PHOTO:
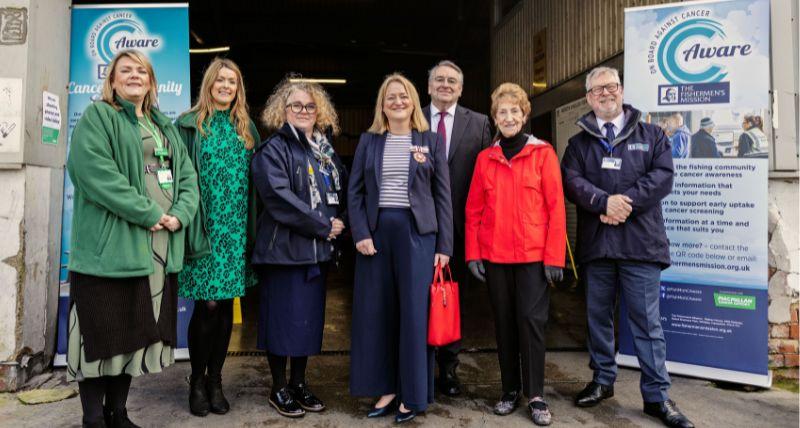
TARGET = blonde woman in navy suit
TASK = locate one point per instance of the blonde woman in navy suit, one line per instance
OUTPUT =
(401, 219)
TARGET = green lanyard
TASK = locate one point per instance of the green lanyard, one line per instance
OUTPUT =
(160, 150)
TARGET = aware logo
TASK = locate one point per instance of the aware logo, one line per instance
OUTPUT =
(707, 30)
(115, 32)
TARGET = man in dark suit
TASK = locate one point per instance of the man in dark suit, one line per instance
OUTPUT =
(465, 133)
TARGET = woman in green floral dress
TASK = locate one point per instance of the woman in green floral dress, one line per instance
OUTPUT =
(220, 138)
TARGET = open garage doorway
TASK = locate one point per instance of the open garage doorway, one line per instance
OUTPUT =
(354, 44)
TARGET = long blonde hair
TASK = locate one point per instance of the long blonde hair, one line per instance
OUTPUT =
(380, 123)
(108, 93)
(204, 107)
(274, 115)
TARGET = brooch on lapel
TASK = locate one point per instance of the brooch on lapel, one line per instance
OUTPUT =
(419, 153)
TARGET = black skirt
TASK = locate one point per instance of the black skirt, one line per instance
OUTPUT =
(116, 314)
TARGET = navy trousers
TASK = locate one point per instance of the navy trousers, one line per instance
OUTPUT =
(291, 309)
(638, 283)
(389, 352)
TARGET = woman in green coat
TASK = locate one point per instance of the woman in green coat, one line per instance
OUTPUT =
(220, 138)
(135, 190)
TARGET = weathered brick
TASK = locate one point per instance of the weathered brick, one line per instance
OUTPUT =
(785, 373)
(794, 310)
(794, 332)
(791, 360)
(787, 346)
(776, 360)
(773, 346)
(779, 331)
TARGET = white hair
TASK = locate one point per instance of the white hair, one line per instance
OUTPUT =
(446, 63)
(597, 71)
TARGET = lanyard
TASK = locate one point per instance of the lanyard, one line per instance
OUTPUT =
(607, 146)
(149, 127)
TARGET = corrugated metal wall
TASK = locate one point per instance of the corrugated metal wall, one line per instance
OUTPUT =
(580, 34)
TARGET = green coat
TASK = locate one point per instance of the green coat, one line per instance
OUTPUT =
(112, 214)
(197, 244)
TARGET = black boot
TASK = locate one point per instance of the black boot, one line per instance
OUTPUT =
(216, 400)
(120, 420)
(198, 398)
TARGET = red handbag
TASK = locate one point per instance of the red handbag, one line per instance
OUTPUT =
(444, 319)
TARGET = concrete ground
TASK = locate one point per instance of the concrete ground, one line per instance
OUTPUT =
(160, 400)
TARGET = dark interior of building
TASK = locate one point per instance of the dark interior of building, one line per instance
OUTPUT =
(361, 41)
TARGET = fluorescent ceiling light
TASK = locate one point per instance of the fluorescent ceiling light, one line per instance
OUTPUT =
(320, 81)
(210, 50)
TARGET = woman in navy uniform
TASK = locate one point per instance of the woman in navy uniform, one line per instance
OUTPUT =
(401, 218)
(302, 183)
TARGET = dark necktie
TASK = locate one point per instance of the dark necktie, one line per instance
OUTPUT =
(442, 130)
(609, 132)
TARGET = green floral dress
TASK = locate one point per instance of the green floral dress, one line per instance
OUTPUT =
(223, 168)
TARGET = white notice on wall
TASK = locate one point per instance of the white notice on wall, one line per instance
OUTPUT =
(10, 115)
(51, 118)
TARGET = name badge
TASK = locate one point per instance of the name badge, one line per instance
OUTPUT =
(164, 178)
(612, 163)
(333, 198)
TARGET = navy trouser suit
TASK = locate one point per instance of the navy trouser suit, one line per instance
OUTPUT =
(389, 352)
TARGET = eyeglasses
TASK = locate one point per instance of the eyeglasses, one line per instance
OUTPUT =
(611, 88)
(297, 108)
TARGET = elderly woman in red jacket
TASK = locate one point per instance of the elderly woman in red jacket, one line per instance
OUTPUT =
(515, 241)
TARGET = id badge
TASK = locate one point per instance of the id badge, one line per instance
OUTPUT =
(612, 163)
(164, 178)
(333, 198)
(161, 152)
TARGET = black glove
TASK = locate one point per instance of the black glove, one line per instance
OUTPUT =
(553, 274)
(477, 270)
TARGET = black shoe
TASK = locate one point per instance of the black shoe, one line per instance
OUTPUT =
(401, 417)
(120, 419)
(378, 412)
(96, 424)
(507, 404)
(285, 404)
(448, 381)
(108, 416)
(305, 398)
(216, 399)
(593, 394)
(668, 412)
(198, 397)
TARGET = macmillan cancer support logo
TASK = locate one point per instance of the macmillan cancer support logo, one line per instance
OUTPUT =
(117, 31)
(690, 52)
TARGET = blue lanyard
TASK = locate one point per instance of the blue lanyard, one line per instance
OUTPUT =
(607, 146)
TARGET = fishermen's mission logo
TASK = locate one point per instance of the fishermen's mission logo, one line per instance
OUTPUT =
(115, 32)
(690, 51)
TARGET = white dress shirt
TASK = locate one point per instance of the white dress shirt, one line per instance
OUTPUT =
(448, 123)
(619, 123)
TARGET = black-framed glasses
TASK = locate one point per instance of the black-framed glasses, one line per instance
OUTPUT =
(296, 108)
(611, 88)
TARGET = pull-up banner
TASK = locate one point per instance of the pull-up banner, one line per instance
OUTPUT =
(160, 31)
(701, 70)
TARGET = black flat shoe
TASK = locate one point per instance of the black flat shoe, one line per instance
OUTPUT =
(669, 414)
(285, 404)
(404, 416)
(378, 412)
(507, 404)
(305, 398)
(119, 419)
(593, 394)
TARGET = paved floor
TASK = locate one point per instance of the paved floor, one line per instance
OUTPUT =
(161, 400)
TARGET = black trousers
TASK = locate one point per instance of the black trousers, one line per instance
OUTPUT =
(447, 355)
(520, 302)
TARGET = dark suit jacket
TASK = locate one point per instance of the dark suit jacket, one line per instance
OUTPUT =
(471, 134)
(428, 189)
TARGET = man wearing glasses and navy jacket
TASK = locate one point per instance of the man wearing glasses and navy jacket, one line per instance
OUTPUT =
(616, 171)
